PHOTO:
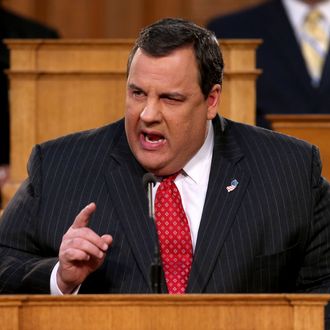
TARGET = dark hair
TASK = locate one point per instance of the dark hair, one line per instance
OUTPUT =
(164, 36)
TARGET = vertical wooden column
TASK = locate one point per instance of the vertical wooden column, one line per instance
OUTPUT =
(23, 119)
(307, 314)
(10, 312)
(239, 89)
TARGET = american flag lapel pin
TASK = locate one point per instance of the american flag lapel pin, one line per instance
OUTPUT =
(232, 186)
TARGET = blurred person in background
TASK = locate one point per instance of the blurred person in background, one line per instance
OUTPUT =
(18, 27)
(294, 55)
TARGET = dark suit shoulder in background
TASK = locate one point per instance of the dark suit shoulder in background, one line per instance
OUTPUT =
(18, 27)
(230, 25)
(14, 26)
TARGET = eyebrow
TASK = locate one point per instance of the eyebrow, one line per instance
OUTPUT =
(171, 95)
(133, 86)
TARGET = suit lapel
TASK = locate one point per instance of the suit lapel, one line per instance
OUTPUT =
(325, 79)
(124, 180)
(220, 207)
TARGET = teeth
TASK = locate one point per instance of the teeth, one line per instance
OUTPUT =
(153, 141)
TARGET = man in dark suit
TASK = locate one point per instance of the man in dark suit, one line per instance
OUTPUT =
(257, 206)
(285, 85)
(12, 26)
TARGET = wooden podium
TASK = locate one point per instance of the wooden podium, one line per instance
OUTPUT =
(62, 86)
(163, 312)
(309, 127)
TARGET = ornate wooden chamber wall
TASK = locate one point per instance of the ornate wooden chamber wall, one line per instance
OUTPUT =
(61, 86)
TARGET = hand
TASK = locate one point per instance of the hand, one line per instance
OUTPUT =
(82, 251)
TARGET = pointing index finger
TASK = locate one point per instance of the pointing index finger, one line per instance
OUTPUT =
(82, 219)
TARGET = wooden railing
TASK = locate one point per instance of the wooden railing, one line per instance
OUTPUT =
(163, 312)
(312, 128)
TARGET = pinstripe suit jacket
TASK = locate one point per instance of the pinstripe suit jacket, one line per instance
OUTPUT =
(271, 234)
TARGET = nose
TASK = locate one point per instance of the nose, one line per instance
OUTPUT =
(151, 112)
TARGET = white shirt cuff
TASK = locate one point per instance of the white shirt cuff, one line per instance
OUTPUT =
(54, 289)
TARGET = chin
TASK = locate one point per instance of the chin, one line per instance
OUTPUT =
(154, 169)
(152, 163)
(149, 161)
(161, 171)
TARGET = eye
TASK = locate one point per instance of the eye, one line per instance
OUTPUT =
(172, 100)
(138, 94)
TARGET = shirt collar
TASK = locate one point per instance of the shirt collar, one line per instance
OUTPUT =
(198, 167)
(297, 11)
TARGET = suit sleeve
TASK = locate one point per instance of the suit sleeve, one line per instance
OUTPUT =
(315, 273)
(25, 266)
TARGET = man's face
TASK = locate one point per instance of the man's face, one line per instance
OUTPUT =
(166, 112)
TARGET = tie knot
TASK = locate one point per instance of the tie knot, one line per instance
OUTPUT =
(313, 17)
(170, 178)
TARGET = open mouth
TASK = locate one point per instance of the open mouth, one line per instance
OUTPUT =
(152, 141)
(153, 138)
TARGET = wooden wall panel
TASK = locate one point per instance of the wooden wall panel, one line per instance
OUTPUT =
(117, 18)
(314, 128)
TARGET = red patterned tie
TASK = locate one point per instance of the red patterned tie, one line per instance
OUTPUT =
(174, 235)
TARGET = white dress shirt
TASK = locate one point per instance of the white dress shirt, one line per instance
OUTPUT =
(192, 184)
(297, 11)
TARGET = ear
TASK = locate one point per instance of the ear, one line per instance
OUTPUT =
(213, 100)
